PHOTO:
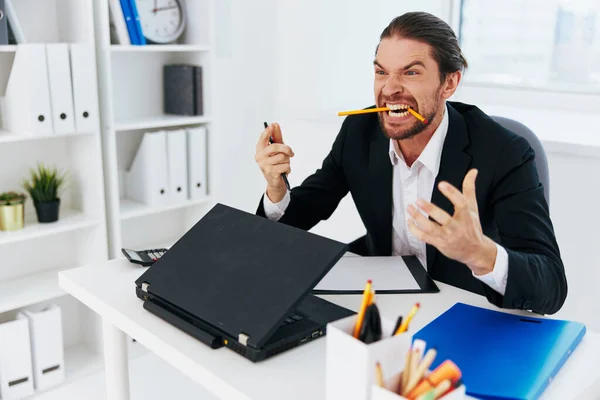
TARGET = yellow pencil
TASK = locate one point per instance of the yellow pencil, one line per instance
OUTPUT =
(442, 388)
(382, 109)
(368, 110)
(418, 116)
(379, 374)
(404, 326)
(367, 293)
(406, 372)
(416, 375)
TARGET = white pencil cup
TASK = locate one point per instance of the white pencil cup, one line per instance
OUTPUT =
(389, 391)
(350, 363)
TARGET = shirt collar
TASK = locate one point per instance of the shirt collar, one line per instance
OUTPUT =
(432, 153)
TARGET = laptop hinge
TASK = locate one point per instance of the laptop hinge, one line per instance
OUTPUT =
(145, 287)
(243, 339)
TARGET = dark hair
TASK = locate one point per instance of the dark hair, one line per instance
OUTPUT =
(429, 29)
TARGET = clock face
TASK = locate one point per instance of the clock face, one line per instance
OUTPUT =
(162, 21)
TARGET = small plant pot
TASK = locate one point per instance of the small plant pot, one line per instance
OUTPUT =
(47, 212)
(12, 217)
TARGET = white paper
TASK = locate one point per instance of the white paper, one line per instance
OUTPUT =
(351, 273)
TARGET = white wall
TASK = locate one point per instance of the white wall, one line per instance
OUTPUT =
(283, 64)
(244, 71)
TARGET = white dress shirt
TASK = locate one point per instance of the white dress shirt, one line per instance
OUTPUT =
(410, 184)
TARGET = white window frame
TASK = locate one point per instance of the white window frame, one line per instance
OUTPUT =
(519, 96)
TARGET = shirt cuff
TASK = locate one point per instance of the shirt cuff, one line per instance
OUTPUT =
(498, 277)
(274, 211)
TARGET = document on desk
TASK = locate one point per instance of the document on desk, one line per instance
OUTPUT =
(393, 274)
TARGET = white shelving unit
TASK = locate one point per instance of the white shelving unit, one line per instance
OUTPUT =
(96, 219)
(33, 256)
(131, 93)
(159, 121)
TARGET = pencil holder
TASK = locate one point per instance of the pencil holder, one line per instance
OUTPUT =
(350, 363)
(388, 392)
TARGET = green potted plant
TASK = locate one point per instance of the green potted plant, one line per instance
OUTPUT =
(12, 211)
(44, 187)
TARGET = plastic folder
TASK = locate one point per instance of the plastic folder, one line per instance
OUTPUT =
(501, 355)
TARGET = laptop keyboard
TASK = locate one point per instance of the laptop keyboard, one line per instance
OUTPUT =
(293, 318)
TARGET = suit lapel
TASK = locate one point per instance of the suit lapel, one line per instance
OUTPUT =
(454, 165)
(380, 168)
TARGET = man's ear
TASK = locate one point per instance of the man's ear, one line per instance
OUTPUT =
(451, 84)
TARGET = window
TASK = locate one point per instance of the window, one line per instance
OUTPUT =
(544, 44)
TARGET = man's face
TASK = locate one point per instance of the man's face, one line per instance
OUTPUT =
(406, 75)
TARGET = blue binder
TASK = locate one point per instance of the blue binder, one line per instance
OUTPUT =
(501, 356)
(141, 39)
(130, 22)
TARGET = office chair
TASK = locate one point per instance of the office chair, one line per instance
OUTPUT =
(541, 162)
(359, 246)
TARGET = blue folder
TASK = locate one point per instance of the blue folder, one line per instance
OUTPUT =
(141, 39)
(130, 22)
(501, 356)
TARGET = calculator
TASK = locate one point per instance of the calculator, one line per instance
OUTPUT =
(144, 257)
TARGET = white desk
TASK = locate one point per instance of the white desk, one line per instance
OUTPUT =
(109, 289)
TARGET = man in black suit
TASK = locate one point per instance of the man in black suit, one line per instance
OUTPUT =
(494, 238)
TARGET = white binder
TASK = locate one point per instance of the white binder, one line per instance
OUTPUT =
(16, 380)
(197, 162)
(147, 179)
(85, 90)
(61, 93)
(117, 20)
(45, 330)
(177, 159)
(27, 99)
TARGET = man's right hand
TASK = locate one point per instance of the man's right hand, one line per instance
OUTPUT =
(273, 160)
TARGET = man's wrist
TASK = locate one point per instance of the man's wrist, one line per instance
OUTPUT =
(276, 194)
(486, 259)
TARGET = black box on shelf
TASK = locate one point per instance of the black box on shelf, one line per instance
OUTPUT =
(183, 89)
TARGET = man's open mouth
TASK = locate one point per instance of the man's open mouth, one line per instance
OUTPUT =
(398, 110)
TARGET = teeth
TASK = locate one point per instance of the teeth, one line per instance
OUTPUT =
(397, 106)
(397, 114)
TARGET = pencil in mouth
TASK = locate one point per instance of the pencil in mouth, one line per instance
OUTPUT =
(418, 116)
(395, 110)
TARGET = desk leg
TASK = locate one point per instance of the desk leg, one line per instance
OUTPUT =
(116, 362)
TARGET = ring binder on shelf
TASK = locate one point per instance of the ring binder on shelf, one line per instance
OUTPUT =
(45, 328)
(16, 377)
(27, 100)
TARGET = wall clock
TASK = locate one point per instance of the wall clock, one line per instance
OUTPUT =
(162, 21)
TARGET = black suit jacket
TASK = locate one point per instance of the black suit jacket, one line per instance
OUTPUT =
(512, 207)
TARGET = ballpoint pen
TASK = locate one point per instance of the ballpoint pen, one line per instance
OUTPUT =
(285, 180)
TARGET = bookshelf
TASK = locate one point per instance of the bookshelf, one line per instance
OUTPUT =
(33, 256)
(131, 94)
(96, 218)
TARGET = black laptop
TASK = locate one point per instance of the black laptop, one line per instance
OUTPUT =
(243, 281)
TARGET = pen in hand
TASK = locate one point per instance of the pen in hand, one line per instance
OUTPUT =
(285, 180)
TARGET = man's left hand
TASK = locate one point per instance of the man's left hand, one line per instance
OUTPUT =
(458, 237)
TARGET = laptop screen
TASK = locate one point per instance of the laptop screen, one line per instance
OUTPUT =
(240, 272)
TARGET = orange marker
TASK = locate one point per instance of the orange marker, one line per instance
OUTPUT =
(365, 303)
(404, 326)
(446, 370)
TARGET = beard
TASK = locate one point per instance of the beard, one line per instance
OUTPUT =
(429, 111)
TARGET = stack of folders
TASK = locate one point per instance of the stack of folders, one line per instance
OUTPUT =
(169, 167)
(31, 352)
(51, 90)
(125, 23)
